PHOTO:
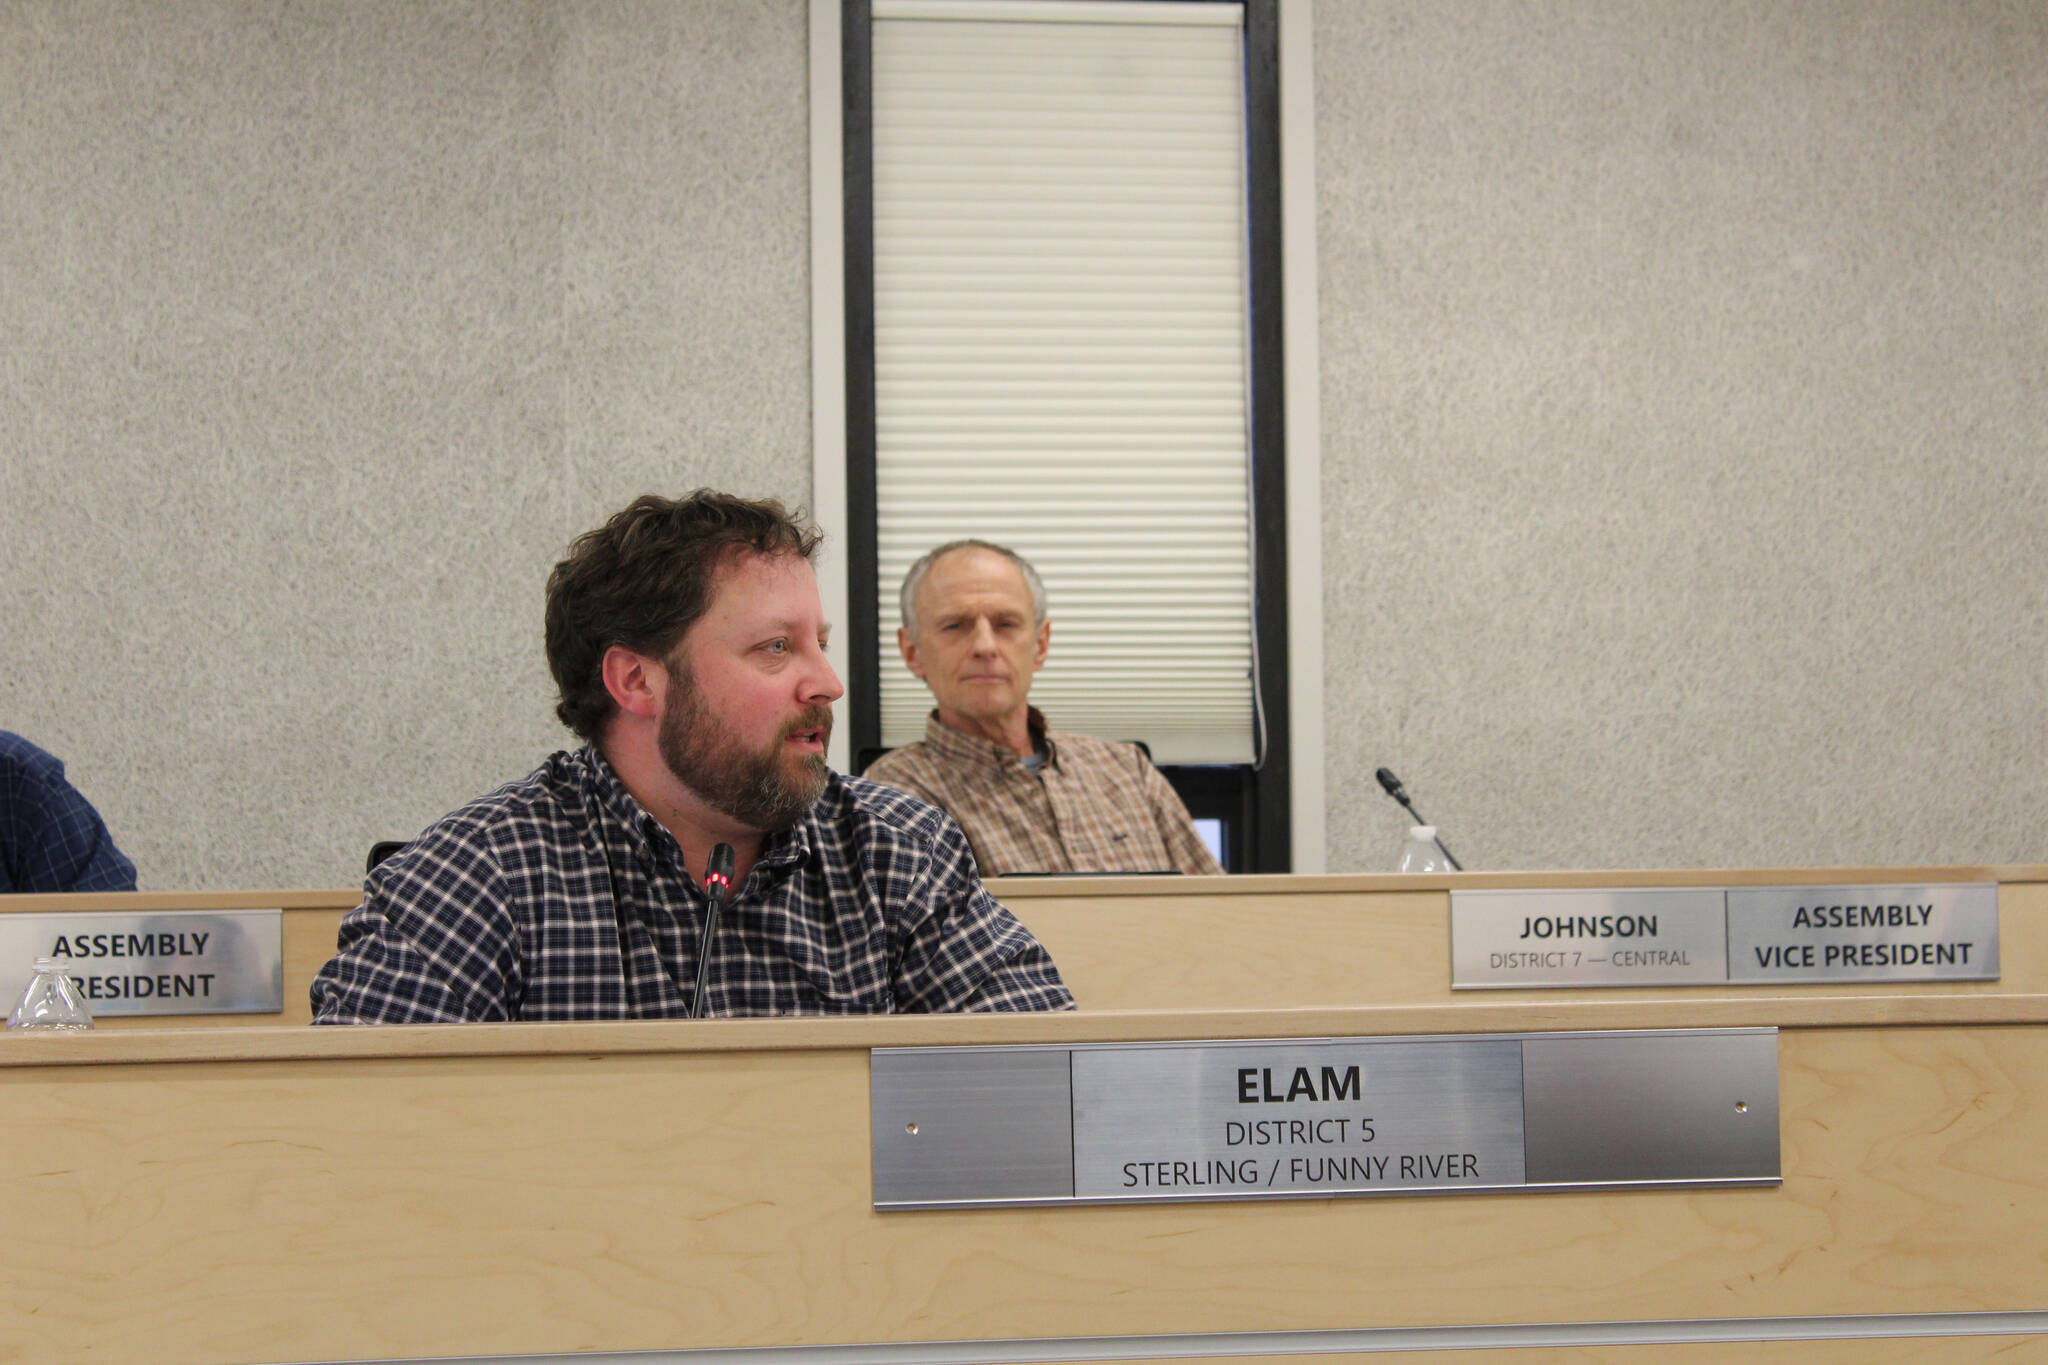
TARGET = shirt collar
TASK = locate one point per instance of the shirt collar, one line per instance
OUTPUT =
(620, 809)
(788, 848)
(649, 839)
(972, 750)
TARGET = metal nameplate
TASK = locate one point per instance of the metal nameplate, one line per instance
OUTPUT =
(1295, 1118)
(154, 962)
(1863, 933)
(1660, 936)
(1652, 937)
(1314, 1118)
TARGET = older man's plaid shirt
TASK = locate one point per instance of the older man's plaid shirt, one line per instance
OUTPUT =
(1094, 806)
(558, 897)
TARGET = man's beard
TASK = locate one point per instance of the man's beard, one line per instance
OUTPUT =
(764, 790)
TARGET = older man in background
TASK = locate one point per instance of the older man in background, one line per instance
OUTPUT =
(1031, 799)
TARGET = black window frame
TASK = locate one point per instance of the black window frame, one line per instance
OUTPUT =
(1253, 800)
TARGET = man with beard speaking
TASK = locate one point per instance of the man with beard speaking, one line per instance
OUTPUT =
(688, 643)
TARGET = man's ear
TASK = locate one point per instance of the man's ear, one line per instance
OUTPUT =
(1044, 642)
(638, 684)
(908, 644)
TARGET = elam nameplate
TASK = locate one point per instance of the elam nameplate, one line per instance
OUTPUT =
(1314, 1118)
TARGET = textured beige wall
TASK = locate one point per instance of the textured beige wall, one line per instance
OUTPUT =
(1685, 412)
(1684, 390)
(327, 325)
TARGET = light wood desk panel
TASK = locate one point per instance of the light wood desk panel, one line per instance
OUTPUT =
(1278, 942)
(264, 1195)
(1215, 943)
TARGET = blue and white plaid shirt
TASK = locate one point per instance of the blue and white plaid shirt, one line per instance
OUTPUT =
(51, 839)
(559, 897)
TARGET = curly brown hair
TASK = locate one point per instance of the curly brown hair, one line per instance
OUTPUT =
(643, 578)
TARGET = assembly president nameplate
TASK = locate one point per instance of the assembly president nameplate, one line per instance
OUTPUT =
(1738, 935)
(957, 1127)
(154, 961)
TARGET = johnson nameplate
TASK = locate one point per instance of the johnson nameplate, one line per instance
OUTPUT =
(1660, 936)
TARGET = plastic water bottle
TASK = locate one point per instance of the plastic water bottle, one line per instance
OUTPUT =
(1422, 853)
(51, 1003)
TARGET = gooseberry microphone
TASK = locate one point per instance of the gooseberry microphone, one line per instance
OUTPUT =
(717, 884)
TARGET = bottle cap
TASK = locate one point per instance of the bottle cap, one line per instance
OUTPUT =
(49, 964)
(1422, 831)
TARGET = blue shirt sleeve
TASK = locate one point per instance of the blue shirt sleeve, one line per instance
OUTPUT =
(51, 838)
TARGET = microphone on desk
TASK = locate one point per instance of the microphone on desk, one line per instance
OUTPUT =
(1400, 793)
(717, 884)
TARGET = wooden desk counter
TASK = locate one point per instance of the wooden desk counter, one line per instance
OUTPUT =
(1163, 943)
(1276, 942)
(265, 1195)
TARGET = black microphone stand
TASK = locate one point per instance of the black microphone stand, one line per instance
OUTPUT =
(717, 885)
(1400, 793)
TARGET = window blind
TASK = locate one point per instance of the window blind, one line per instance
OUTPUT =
(1060, 346)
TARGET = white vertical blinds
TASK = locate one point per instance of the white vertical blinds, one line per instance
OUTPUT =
(1060, 346)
